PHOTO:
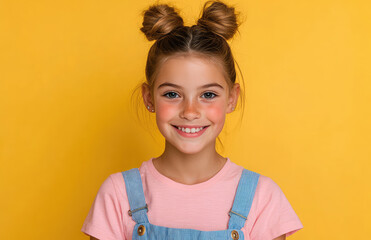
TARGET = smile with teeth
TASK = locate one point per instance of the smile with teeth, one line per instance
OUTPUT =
(190, 130)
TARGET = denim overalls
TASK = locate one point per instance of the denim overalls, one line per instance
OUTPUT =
(147, 231)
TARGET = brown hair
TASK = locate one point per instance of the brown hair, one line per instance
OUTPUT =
(208, 38)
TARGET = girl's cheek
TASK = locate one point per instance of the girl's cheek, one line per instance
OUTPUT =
(165, 110)
(215, 112)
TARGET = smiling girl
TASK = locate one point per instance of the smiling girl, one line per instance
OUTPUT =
(190, 191)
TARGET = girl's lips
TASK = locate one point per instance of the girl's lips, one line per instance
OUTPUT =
(191, 135)
(189, 126)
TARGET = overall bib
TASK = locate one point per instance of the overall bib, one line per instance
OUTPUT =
(144, 230)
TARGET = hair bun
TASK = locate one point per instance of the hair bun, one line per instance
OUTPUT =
(160, 20)
(219, 19)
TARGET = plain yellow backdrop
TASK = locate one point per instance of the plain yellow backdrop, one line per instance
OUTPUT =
(67, 71)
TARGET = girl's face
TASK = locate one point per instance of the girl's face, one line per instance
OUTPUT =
(191, 99)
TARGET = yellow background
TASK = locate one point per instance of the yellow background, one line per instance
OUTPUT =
(67, 71)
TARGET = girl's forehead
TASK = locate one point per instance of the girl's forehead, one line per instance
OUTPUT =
(188, 70)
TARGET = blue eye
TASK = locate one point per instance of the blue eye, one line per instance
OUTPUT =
(209, 95)
(171, 94)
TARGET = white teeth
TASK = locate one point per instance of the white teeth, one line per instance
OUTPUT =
(190, 130)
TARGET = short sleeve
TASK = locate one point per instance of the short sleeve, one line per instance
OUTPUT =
(274, 214)
(104, 220)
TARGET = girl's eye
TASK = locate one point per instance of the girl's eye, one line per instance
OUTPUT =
(171, 94)
(209, 95)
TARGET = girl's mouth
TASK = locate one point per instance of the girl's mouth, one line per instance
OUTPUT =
(188, 131)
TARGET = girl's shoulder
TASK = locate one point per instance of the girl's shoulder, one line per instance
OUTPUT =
(105, 218)
(265, 186)
(267, 190)
(272, 212)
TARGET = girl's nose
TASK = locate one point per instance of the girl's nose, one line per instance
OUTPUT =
(190, 111)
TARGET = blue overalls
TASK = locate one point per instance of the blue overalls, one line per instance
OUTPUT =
(147, 231)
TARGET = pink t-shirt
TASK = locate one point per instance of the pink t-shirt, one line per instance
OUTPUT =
(203, 206)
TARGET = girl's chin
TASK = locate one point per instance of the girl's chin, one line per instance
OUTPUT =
(190, 149)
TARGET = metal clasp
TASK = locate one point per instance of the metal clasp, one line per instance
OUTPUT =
(130, 212)
(237, 214)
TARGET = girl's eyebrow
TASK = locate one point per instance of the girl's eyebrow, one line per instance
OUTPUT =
(177, 86)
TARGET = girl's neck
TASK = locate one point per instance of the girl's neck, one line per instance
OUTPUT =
(189, 168)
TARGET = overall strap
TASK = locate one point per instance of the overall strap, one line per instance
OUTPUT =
(243, 199)
(134, 189)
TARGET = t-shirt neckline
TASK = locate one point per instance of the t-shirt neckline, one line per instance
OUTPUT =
(186, 187)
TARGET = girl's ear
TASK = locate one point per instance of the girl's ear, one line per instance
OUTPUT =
(147, 97)
(233, 97)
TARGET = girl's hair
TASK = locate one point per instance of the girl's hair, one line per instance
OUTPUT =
(208, 38)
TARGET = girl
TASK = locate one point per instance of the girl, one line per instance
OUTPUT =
(190, 191)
